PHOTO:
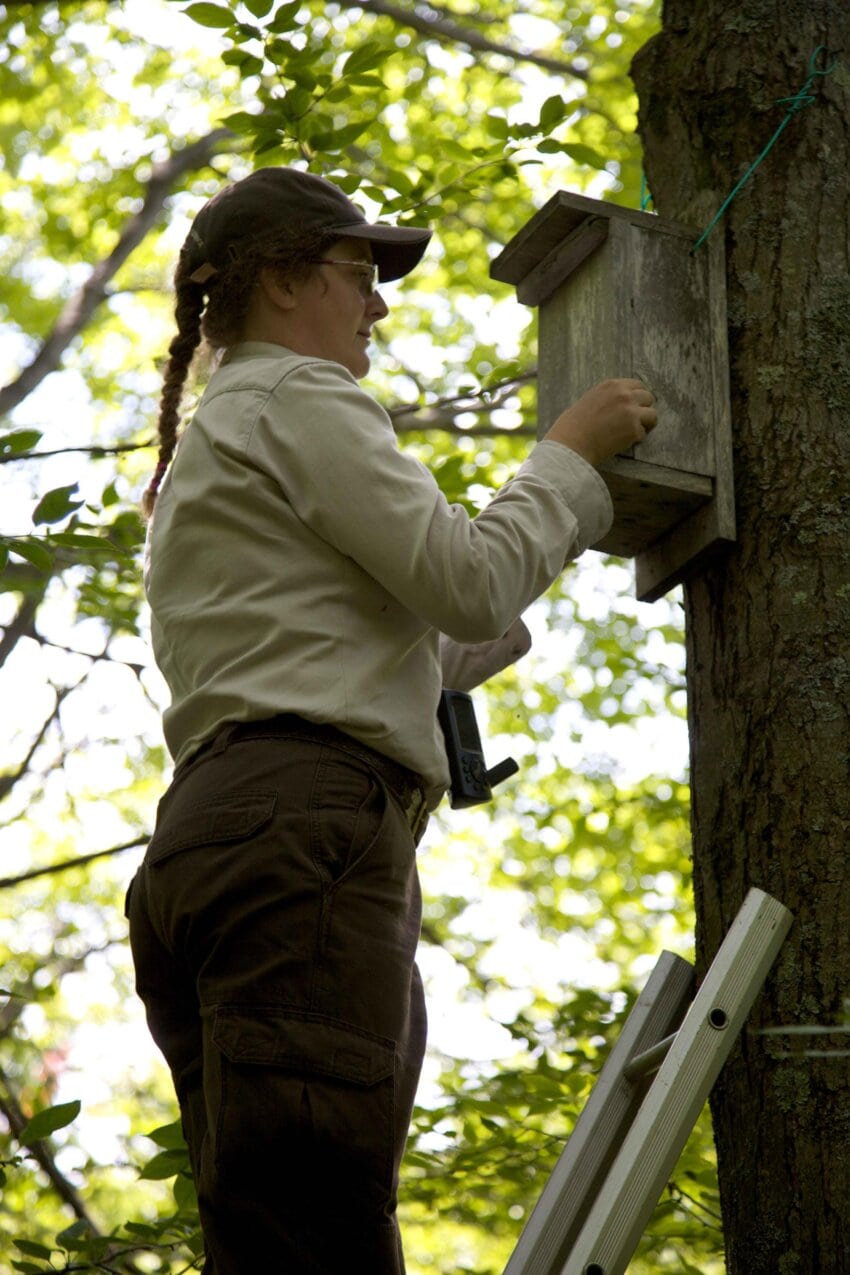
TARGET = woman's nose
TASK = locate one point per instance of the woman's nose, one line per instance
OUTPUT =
(377, 307)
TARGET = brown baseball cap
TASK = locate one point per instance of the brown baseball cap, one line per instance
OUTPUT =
(289, 199)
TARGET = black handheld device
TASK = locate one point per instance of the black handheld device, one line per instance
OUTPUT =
(471, 781)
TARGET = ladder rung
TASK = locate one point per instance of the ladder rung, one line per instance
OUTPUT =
(650, 1060)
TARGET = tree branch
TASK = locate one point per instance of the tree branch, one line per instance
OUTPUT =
(440, 24)
(90, 449)
(7, 782)
(442, 413)
(7, 882)
(22, 625)
(80, 307)
(40, 1151)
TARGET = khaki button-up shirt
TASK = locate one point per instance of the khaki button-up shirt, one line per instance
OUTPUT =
(299, 561)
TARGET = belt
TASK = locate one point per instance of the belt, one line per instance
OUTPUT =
(405, 784)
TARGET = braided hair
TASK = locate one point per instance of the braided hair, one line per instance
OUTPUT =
(189, 307)
(216, 309)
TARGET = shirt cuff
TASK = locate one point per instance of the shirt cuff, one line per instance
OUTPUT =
(580, 485)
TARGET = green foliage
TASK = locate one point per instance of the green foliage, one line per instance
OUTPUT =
(48, 1121)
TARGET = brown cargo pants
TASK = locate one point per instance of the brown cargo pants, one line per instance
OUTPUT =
(274, 924)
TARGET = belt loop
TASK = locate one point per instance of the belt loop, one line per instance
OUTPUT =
(223, 738)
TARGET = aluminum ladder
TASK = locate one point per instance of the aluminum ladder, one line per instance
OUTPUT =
(630, 1133)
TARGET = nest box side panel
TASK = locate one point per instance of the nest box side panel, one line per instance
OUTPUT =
(583, 333)
(699, 538)
(671, 342)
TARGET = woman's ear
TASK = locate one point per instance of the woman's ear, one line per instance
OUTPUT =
(278, 291)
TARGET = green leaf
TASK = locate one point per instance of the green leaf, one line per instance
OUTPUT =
(552, 112)
(29, 1268)
(295, 103)
(82, 541)
(31, 1249)
(585, 155)
(56, 505)
(259, 8)
(242, 122)
(210, 15)
(286, 18)
(142, 1229)
(185, 1196)
(32, 550)
(251, 66)
(265, 143)
(340, 137)
(75, 1235)
(348, 184)
(49, 1120)
(19, 440)
(164, 1165)
(169, 1136)
(497, 126)
(366, 58)
(366, 80)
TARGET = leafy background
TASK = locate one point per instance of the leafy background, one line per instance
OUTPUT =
(545, 912)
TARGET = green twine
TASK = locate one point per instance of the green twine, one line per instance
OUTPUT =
(645, 193)
(797, 103)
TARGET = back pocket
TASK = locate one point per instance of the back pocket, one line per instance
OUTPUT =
(229, 817)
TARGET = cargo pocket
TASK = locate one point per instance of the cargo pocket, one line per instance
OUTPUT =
(306, 1099)
(235, 816)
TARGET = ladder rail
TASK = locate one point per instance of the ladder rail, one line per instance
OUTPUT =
(597, 1136)
(600, 1194)
(680, 1088)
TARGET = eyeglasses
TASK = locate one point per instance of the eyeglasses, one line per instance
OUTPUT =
(367, 271)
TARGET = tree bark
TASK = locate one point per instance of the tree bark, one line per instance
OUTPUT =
(767, 627)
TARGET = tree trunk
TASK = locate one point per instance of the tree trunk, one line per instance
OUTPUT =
(768, 627)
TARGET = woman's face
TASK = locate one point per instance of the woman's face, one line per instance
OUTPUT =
(335, 308)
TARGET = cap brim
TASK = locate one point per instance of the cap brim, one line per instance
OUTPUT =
(395, 249)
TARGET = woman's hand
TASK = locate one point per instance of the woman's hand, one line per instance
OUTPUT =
(611, 417)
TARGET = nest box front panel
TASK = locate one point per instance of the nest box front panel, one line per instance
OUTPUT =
(637, 306)
(622, 293)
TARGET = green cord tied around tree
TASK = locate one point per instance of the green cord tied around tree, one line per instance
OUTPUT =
(795, 104)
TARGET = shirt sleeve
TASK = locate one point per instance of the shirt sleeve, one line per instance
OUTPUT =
(334, 453)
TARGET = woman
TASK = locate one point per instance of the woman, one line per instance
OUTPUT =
(301, 571)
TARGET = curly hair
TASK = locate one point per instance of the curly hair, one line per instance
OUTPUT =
(217, 310)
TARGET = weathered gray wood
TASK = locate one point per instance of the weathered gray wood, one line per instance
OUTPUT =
(556, 220)
(680, 1088)
(637, 301)
(562, 260)
(582, 336)
(683, 551)
(668, 297)
(650, 500)
(692, 544)
(574, 1182)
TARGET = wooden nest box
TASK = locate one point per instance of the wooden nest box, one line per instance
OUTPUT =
(621, 293)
